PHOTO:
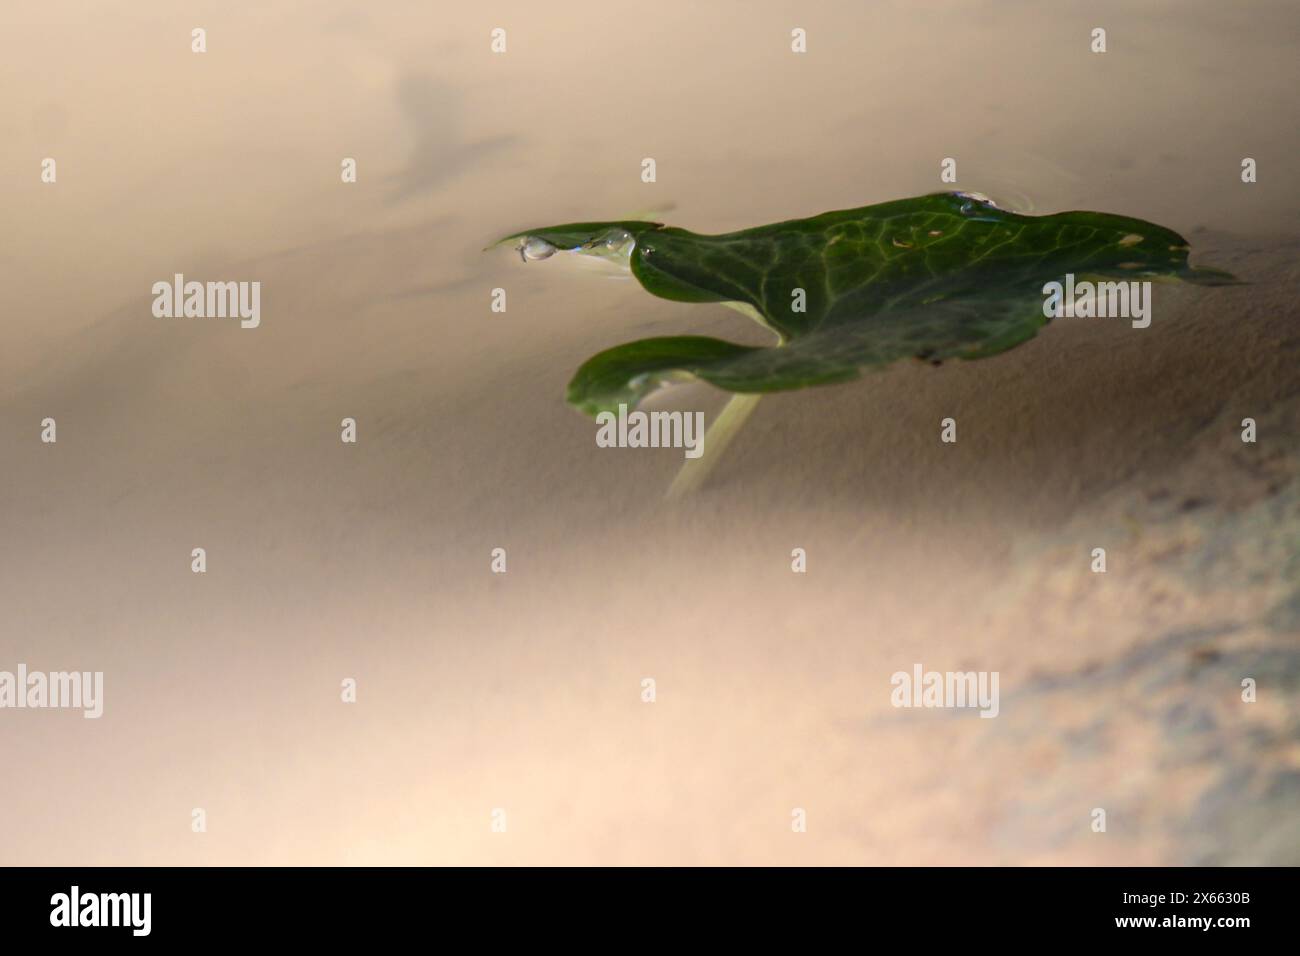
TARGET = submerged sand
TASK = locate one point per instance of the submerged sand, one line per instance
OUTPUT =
(522, 691)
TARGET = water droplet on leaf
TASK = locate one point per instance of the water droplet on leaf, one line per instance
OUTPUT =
(535, 248)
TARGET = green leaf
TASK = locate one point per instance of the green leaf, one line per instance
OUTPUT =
(935, 277)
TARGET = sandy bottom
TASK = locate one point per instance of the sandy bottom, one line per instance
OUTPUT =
(522, 691)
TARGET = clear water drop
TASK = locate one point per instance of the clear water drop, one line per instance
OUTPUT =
(611, 244)
(619, 242)
(533, 248)
(972, 200)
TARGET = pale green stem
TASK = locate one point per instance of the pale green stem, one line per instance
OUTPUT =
(716, 439)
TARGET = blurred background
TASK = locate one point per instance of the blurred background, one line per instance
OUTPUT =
(522, 691)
